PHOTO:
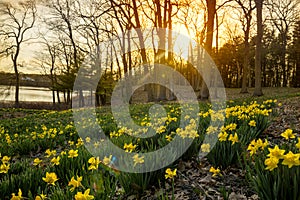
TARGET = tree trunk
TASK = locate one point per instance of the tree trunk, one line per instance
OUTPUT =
(211, 9)
(129, 86)
(53, 97)
(246, 58)
(170, 48)
(148, 87)
(81, 98)
(17, 89)
(162, 23)
(258, 50)
(57, 94)
(283, 55)
(52, 85)
(17, 75)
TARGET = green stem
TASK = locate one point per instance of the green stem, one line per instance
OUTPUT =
(173, 198)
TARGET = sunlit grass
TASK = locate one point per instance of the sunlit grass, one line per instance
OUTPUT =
(47, 141)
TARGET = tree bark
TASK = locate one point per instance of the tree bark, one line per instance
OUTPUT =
(258, 50)
(246, 59)
(148, 88)
(248, 16)
(211, 9)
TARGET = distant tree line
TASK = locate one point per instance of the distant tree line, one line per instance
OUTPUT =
(260, 47)
(32, 80)
(275, 72)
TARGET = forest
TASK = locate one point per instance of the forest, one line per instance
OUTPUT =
(253, 43)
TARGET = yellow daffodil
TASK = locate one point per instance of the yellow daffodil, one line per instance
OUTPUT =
(107, 160)
(55, 160)
(94, 162)
(291, 159)
(87, 139)
(252, 123)
(205, 147)
(50, 178)
(79, 143)
(85, 196)
(182, 133)
(271, 163)
(170, 174)
(161, 129)
(41, 197)
(129, 147)
(75, 183)
(276, 152)
(252, 149)
(211, 129)
(137, 159)
(169, 138)
(255, 145)
(234, 138)
(193, 134)
(231, 127)
(5, 159)
(222, 136)
(214, 171)
(72, 153)
(4, 168)
(19, 197)
(287, 134)
(261, 144)
(96, 144)
(50, 153)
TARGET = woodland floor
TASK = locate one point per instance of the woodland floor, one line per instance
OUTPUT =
(194, 180)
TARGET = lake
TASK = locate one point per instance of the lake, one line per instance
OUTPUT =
(35, 94)
(40, 94)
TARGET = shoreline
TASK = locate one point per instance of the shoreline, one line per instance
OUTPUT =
(35, 105)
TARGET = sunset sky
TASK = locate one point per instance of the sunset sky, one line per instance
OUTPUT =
(31, 49)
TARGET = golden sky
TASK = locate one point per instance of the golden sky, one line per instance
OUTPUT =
(30, 49)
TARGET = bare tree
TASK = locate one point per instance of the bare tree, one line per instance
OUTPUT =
(283, 14)
(17, 21)
(49, 58)
(247, 7)
(194, 13)
(63, 20)
(258, 49)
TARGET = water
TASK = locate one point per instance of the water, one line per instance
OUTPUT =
(34, 94)
(38, 94)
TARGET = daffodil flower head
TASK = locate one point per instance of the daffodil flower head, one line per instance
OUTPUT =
(287, 134)
(214, 171)
(85, 196)
(291, 159)
(50, 178)
(137, 159)
(276, 152)
(75, 183)
(19, 197)
(170, 174)
(271, 163)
